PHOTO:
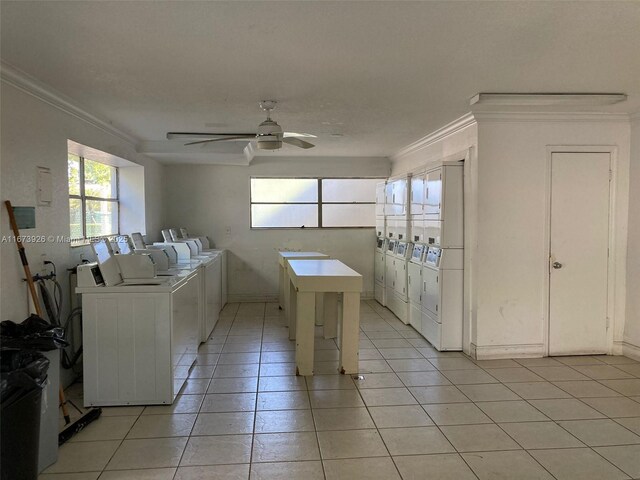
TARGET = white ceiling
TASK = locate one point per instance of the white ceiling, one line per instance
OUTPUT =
(382, 74)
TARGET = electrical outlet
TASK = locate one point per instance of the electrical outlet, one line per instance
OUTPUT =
(227, 231)
(43, 267)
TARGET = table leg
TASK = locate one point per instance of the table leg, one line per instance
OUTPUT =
(290, 311)
(287, 294)
(330, 315)
(305, 332)
(281, 273)
(320, 309)
(349, 332)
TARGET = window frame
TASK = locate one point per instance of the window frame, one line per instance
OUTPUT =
(319, 203)
(83, 197)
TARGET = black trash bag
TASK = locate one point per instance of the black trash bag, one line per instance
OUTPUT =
(21, 371)
(33, 333)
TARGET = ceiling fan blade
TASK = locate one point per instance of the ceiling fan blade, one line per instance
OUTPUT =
(297, 142)
(295, 134)
(225, 139)
(183, 135)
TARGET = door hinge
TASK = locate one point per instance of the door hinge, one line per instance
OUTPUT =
(608, 323)
(610, 175)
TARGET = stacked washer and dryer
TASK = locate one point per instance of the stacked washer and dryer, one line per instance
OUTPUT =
(380, 292)
(431, 268)
(397, 192)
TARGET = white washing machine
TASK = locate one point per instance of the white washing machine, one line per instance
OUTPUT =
(380, 292)
(414, 285)
(442, 297)
(398, 302)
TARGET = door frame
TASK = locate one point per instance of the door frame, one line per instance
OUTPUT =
(612, 150)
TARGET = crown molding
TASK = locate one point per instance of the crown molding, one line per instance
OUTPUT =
(23, 81)
(550, 117)
(547, 99)
(441, 133)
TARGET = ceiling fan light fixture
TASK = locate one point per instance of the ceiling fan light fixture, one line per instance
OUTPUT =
(269, 142)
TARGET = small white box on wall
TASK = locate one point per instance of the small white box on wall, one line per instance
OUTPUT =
(44, 186)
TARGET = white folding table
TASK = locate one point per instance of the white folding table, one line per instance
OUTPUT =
(284, 281)
(309, 277)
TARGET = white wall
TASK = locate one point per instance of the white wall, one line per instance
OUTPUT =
(214, 201)
(35, 133)
(512, 265)
(505, 221)
(632, 326)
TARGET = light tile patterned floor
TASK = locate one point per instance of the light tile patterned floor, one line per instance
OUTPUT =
(417, 414)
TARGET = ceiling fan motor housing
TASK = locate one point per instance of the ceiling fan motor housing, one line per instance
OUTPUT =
(269, 142)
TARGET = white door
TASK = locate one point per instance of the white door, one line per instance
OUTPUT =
(579, 253)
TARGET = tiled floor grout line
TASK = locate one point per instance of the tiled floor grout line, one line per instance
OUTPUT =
(245, 330)
(372, 418)
(494, 423)
(436, 426)
(255, 406)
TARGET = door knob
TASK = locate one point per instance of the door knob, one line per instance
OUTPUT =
(557, 265)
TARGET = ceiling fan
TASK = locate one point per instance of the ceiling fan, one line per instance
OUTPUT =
(269, 136)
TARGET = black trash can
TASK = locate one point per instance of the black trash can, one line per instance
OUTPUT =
(22, 379)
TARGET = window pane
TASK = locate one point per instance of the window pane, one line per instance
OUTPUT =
(356, 215)
(101, 218)
(75, 218)
(99, 180)
(278, 215)
(284, 190)
(349, 189)
(73, 171)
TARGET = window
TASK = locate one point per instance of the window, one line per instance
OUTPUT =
(313, 202)
(93, 198)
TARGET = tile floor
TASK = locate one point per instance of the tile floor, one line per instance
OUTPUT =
(416, 414)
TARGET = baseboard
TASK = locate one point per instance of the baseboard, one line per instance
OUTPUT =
(494, 352)
(618, 347)
(253, 298)
(631, 350)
